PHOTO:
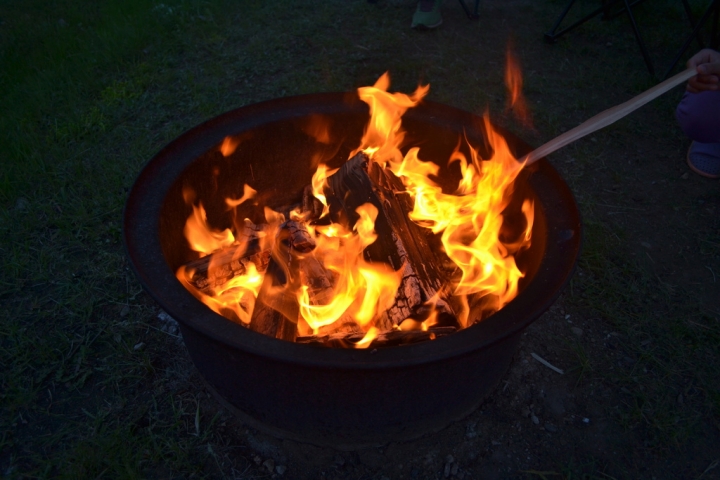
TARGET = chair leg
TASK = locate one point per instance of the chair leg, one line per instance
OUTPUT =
(688, 12)
(610, 15)
(714, 7)
(639, 39)
(553, 34)
(470, 15)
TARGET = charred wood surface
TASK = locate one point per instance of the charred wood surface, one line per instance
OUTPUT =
(385, 339)
(426, 259)
(276, 308)
(214, 270)
(312, 208)
(401, 243)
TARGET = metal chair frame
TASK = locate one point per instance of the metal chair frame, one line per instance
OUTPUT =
(607, 14)
(713, 8)
(472, 15)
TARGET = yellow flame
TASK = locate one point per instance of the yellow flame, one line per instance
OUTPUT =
(237, 295)
(201, 237)
(319, 180)
(469, 222)
(362, 290)
(370, 335)
(383, 133)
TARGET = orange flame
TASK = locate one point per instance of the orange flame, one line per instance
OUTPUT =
(229, 145)
(248, 193)
(514, 84)
(383, 134)
(363, 290)
(318, 183)
(201, 237)
(371, 335)
(468, 221)
(317, 128)
(236, 296)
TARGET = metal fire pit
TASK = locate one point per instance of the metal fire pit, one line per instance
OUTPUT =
(337, 397)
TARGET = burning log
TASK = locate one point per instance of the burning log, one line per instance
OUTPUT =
(290, 266)
(384, 339)
(400, 243)
(312, 208)
(310, 273)
(319, 282)
(213, 271)
(275, 307)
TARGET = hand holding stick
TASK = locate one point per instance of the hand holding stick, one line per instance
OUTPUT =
(611, 115)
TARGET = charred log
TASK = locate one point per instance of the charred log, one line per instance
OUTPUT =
(215, 270)
(401, 243)
(385, 339)
(312, 208)
(276, 308)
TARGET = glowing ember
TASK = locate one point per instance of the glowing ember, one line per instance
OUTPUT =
(337, 289)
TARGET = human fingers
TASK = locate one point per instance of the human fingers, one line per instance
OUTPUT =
(707, 79)
(705, 55)
(700, 83)
(709, 69)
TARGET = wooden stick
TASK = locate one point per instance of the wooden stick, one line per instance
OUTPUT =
(546, 363)
(609, 116)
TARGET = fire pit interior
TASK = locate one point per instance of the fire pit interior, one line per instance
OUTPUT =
(335, 396)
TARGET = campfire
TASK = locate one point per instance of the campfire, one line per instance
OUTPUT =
(316, 182)
(343, 397)
(372, 253)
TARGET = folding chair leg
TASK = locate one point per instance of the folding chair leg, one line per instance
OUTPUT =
(471, 15)
(639, 39)
(551, 36)
(605, 10)
(714, 7)
(688, 12)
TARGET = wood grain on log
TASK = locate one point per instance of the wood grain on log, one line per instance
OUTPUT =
(401, 243)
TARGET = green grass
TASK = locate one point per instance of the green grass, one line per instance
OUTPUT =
(669, 342)
(86, 101)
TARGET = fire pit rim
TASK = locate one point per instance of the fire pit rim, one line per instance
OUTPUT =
(142, 244)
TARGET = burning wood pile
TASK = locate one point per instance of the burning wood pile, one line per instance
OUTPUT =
(374, 253)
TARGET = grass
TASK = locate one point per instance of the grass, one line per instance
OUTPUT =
(91, 90)
(668, 342)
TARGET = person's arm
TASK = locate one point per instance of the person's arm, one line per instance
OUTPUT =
(707, 64)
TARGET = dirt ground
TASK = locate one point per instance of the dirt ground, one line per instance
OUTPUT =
(646, 215)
